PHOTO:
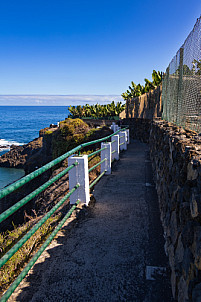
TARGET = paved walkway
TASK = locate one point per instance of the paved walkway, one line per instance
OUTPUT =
(110, 253)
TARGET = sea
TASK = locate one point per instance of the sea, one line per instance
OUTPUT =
(20, 125)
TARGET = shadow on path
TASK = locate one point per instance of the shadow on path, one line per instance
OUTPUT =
(111, 253)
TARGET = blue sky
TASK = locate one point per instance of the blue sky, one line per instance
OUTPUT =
(73, 47)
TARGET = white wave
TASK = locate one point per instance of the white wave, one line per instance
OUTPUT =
(5, 145)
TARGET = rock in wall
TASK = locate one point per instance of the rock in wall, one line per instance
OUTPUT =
(139, 128)
(176, 160)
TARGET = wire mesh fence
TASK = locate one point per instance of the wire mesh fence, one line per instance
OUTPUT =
(181, 86)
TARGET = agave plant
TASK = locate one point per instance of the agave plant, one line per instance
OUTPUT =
(80, 111)
(87, 110)
(73, 111)
(196, 67)
(148, 85)
(137, 90)
(97, 111)
(156, 77)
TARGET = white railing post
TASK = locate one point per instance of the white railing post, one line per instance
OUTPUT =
(115, 147)
(116, 128)
(122, 140)
(106, 165)
(127, 136)
(112, 126)
(79, 174)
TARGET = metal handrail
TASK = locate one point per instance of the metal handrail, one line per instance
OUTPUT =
(19, 183)
(96, 152)
(102, 161)
(20, 243)
(4, 192)
(15, 284)
(96, 180)
(26, 199)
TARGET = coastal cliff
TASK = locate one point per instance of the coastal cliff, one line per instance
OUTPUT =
(51, 143)
(18, 156)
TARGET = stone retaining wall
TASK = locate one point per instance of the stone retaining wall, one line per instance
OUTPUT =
(146, 106)
(176, 160)
(139, 128)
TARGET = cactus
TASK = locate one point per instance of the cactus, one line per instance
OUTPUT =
(137, 90)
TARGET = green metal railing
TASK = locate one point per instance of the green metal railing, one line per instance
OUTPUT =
(11, 188)
(15, 284)
(96, 152)
(96, 180)
(20, 243)
(51, 164)
(102, 161)
(23, 201)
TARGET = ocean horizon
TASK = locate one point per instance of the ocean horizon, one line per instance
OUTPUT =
(24, 116)
(57, 100)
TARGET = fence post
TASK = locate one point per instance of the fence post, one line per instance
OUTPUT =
(122, 140)
(112, 126)
(106, 165)
(116, 127)
(127, 136)
(79, 174)
(115, 147)
(180, 98)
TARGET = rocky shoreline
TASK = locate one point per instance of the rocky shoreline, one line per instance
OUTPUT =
(40, 151)
(28, 156)
(51, 143)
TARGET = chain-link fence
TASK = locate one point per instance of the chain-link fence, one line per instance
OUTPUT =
(181, 87)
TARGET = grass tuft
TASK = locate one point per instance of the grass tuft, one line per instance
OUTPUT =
(18, 261)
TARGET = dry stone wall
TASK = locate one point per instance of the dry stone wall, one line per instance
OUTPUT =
(139, 128)
(176, 159)
(146, 106)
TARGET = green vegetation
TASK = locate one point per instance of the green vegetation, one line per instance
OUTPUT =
(137, 90)
(48, 132)
(16, 263)
(72, 132)
(96, 111)
(197, 67)
(73, 126)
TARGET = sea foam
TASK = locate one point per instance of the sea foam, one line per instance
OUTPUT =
(5, 144)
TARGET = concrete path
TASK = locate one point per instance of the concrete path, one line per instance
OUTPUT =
(110, 253)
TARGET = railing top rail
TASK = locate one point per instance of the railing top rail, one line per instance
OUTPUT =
(27, 268)
(19, 183)
(102, 139)
(27, 198)
(14, 249)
